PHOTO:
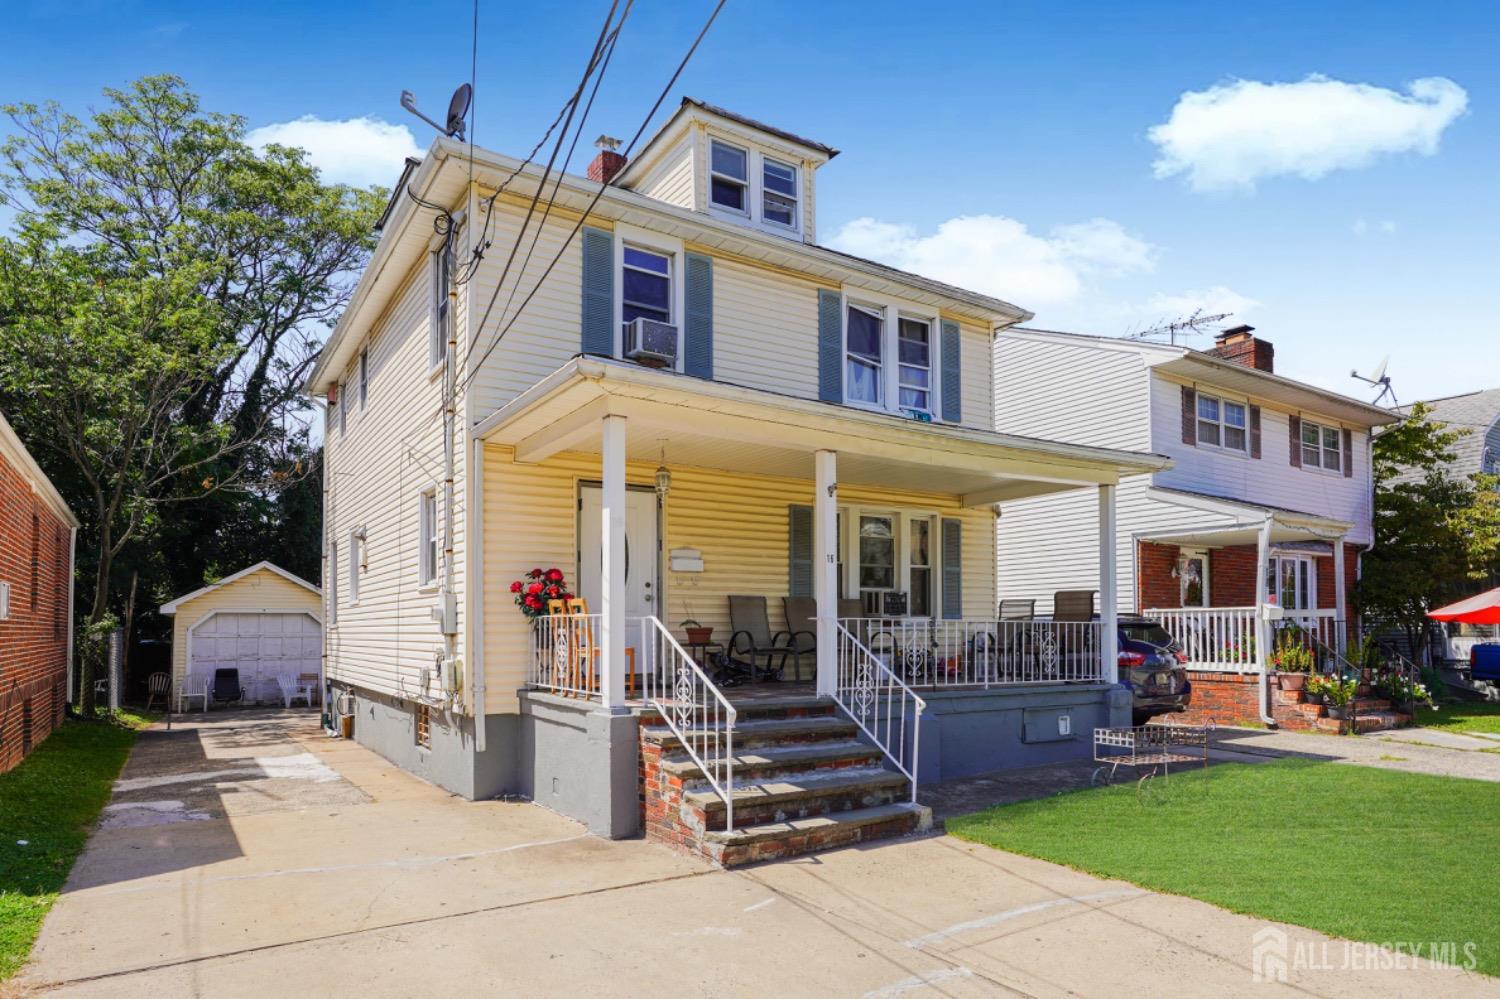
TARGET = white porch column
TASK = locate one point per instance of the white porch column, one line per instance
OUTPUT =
(1341, 624)
(826, 566)
(612, 577)
(1262, 628)
(1109, 624)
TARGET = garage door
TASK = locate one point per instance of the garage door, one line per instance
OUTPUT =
(262, 647)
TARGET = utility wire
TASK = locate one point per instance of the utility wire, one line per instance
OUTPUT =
(592, 203)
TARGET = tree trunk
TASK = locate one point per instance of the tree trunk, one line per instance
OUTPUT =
(88, 647)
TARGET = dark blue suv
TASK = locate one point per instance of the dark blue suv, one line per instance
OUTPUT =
(1152, 667)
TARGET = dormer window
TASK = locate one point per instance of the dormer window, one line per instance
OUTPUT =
(779, 193)
(729, 177)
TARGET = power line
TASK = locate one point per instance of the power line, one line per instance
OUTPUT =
(593, 202)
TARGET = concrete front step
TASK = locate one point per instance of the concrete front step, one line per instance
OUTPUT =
(764, 732)
(1375, 721)
(792, 837)
(755, 764)
(816, 792)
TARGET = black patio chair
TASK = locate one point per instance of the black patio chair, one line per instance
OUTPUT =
(802, 624)
(226, 688)
(752, 641)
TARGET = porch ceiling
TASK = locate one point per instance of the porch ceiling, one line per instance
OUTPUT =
(714, 425)
(1242, 523)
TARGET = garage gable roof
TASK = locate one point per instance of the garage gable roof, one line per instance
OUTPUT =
(171, 607)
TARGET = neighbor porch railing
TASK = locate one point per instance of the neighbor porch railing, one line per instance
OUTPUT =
(564, 657)
(982, 653)
(1222, 639)
(694, 708)
(878, 702)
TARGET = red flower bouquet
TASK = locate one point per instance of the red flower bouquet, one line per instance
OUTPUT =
(538, 586)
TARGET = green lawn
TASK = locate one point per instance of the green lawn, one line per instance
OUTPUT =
(1355, 852)
(51, 801)
(1462, 716)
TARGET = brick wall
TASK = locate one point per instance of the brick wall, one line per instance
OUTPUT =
(35, 559)
(1231, 576)
(1154, 565)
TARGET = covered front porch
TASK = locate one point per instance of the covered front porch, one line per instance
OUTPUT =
(1226, 593)
(720, 536)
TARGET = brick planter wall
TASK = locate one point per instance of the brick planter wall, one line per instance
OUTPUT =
(1223, 698)
(35, 559)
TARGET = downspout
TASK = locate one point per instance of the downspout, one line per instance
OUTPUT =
(474, 591)
(1262, 552)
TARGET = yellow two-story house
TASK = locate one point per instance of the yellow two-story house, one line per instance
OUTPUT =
(765, 471)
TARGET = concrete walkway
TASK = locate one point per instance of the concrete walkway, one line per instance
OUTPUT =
(1414, 750)
(331, 873)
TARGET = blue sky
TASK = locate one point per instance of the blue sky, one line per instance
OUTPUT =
(1007, 146)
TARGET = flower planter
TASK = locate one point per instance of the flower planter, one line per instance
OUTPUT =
(1292, 681)
(1338, 712)
(700, 636)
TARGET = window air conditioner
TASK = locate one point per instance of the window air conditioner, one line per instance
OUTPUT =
(651, 342)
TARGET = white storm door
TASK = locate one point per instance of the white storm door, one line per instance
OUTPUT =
(640, 557)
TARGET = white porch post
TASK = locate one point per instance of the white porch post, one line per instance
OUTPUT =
(1341, 624)
(612, 577)
(826, 566)
(1262, 630)
(1109, 626)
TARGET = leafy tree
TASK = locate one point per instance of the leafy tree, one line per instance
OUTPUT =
(150, 238)
(1435, 534)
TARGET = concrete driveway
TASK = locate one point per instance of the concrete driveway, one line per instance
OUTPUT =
(251, 856)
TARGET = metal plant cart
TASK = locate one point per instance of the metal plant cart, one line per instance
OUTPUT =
(1156, 747)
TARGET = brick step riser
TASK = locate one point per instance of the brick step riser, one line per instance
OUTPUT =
(746, 814)
(798, 845)
(746, 774)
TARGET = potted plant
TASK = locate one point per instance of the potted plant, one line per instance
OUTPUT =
(1293, 661)
(1316, 688)
(538, 586)
(1339, 693)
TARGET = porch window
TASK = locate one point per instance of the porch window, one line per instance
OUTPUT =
(877, 553)
(427, 538)
(729, 176)
(778, 193)
(864, 329)
(1193, 578)
(647, 285)
(914, 346)
(920, 566)
(1321, 447)
(1290, 583)
(1221, 423)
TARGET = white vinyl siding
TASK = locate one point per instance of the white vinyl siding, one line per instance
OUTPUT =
(670, 177)
(1071, 391)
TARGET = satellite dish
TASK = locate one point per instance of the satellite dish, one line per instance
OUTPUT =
(1380, 368)
(1379, 379)
(458, 109)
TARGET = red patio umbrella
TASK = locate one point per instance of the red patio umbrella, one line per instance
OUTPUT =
(1482, 608)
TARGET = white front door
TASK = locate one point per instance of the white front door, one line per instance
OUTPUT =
(641, 551)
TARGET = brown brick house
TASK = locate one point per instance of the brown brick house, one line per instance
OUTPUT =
(36, 621)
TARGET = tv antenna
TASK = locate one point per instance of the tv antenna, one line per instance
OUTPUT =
(1379, 378)
(458, 110)
(1187, 326)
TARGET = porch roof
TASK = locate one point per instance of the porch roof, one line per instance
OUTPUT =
(1287, 526)
(718, 425)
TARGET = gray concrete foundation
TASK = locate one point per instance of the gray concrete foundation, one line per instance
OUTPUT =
(579, 759)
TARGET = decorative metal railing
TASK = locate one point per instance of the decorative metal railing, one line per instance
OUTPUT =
(981, 653)
(692, 706)
(565, 650)
(875, 699)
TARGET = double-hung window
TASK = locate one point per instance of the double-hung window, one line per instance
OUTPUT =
(729, 176)
(1221, 423)
(778, 196)
(864, 367)
(1290, 582)
(427, 538)
(437, 334)
(919, 566)
(1321, 447)
(914, 347)
(646, 285)
(877, 552)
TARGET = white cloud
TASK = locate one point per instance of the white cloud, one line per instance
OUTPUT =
(1363, 226)
(999, 256)
(359, 151)
(1234, 134)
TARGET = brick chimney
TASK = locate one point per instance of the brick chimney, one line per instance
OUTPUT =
(1236, 344)
(608, 162)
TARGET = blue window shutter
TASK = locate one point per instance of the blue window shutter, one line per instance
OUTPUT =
(799, 522)
(698, 322)
(952, 372)
(953, 568)
(830, 346)
(598, 326)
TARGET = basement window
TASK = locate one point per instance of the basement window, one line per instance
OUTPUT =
(423, 727)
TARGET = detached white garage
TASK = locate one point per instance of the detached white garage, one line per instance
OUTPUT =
(262, 621)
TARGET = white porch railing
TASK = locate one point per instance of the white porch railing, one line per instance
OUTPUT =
(1222, 639)
(982, 653)
(879, 703)
(694, 709)
(565, 654)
